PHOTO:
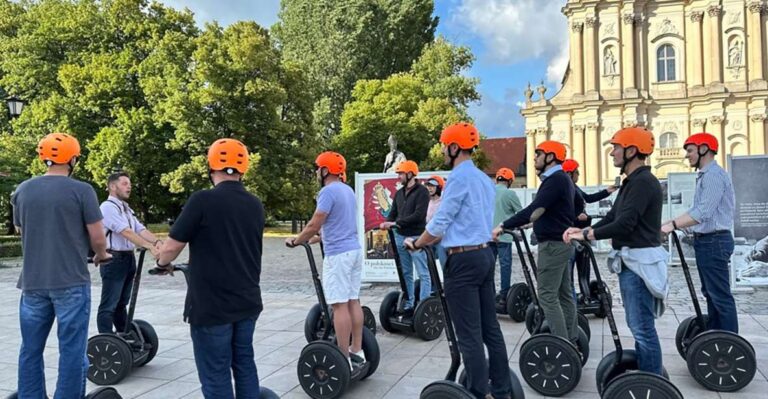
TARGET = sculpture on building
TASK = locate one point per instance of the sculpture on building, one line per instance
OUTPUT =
(609, 62)
(394, 156)
(528, 95)
(735, 57)
(542, 90)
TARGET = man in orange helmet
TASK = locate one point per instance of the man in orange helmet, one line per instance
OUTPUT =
(633, 225)
(224, 227)
(710, 218)
(59, 220)
(336, 216)
(507, 204)
(555, 196)
(409, 215)
(464, 221)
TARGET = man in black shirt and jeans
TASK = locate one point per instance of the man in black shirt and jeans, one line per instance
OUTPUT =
(633, 225)
(224, 227)
(409, 213)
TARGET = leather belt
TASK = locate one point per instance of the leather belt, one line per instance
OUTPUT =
(465, 248)
(697, 235)
(112, 251)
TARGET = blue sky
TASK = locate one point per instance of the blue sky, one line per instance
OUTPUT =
(515, 42)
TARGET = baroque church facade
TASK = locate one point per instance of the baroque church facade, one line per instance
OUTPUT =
(676, 67)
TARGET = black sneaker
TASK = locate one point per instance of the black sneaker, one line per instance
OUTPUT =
(408, 313)
(357, 366)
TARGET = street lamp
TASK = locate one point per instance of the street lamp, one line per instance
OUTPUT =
(15, 106)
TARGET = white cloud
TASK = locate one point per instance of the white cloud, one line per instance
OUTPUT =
(515, 30)
(498, 118)
(556, 66)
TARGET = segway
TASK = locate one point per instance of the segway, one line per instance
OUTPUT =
(448, 388)
(588, 300)
(98, 393)
(427, 321)
(719, 360)
(111, 357)
(617, 374)
(314, 324)
(323, 370)
(265, 393)
(551, 365)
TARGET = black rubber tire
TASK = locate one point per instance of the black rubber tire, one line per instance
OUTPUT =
(583, 323)
(323, 371)
(108, 367)
(314, 324)
(721, 361)
(387, 309)
(594, 292)
(445, 390)
(583, 346)
(517, 388)
(688, 329)
(266, 393)
(532, 316)
(103, 393)
(606, 371)
(150, 339)
(550, 365)
(518, 299)
(639, 384)
(372, 352)
(428, 321)
(369, 319)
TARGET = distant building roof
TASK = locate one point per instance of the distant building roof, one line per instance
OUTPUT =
(508, 152)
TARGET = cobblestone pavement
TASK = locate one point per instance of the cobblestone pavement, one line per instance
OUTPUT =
(408, 364)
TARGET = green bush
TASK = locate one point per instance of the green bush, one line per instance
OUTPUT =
(4, 239)
(10, 249)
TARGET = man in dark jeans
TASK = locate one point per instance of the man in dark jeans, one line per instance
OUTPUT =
(464, 221)
(224, 227)
(124, 233)
(711, 218)
(59, 220)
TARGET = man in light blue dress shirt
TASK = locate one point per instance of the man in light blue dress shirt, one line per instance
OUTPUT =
(464, 221)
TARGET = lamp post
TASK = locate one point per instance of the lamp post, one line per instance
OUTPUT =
(15, 106)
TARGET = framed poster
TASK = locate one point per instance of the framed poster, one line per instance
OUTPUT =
(749, 263)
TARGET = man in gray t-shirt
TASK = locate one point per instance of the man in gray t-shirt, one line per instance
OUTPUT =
(59, 220)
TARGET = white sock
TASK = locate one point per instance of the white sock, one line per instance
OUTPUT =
(361, 354)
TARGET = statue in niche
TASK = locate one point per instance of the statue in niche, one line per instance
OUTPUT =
(609, 62)
(735, 54)
(394, 156)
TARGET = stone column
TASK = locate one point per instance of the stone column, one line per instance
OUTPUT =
(757, 134)
(755, 39)
(578, 145)
(577, 56)
(716, 45)
(591, 169)
(715, 128)
(628, 52)
(697, 78)
(530, 150)
(590, 57)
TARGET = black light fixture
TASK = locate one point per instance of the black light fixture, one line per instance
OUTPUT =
(15, 106)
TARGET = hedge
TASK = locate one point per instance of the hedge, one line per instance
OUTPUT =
(10, 249)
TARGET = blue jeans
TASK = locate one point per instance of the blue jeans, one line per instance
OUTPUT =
(503, 251)
(442, 254)
(638, 305)
(713, 253)
(469, 291)
(409, 259)
(71, 307)
(222, 350)
(116, 284)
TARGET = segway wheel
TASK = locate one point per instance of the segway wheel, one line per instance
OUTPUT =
(445, 390)
(323, 370)
(531, 318)
(584, 325)
(595, 292)
(550, 365)
(372, 353)
(314, 324)
(110, 359)
(387, 310)
(151, 341)
(688, 329)
(608, 369)
(428, 322)
(518, 299)
(369, 320)
(266, 393)
(721, 361)
(517, 388)
(103, 393)
(639, 384)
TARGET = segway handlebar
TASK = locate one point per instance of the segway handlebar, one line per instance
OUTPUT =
(181, 267)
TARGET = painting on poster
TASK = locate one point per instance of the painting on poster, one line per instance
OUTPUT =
(678, 199)
(750, 256)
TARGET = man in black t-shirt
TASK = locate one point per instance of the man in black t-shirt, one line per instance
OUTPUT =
(224, 227)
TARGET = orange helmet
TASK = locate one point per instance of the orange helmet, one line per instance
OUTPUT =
(555, 148)
(58, 148)
(505, 174)
(570, 165)
(333, 161)
(463, 134)
(702, 139)
(436, 180)
(229, 155)
(407, 167)
(635, 137)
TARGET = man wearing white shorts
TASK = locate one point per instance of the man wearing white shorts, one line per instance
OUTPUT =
(335, 219)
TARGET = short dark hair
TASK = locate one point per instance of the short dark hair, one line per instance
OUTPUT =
(642, 157)
(115, 177)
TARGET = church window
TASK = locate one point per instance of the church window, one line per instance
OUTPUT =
(665, 63)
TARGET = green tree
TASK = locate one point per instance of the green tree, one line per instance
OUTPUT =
(414, 106)
(338, 42)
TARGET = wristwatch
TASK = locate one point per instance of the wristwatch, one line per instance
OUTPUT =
(157, 263)
(585, 234)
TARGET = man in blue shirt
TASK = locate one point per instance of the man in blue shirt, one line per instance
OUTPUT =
(464, 221)
(710, 219)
